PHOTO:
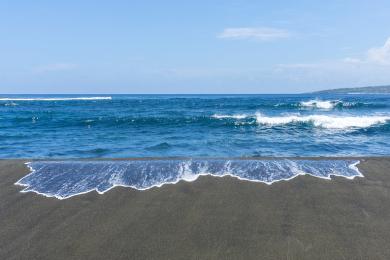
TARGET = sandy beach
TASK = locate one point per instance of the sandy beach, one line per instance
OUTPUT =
(211, 218)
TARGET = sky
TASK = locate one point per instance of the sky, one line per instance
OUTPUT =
(227, 46)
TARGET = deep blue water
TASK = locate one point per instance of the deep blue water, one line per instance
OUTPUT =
(60, 126)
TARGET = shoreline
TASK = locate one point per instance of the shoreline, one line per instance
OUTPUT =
(303, 218)
(192, 177)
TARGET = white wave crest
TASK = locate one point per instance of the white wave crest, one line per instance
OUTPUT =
(332, 122)
(55, 99)
(10, 104)
(322, 104)
(239, 116)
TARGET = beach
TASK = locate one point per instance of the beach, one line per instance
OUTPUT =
(195, 130)
(210, 218)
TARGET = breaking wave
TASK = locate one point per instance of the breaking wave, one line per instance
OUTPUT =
(55, 98)
(333, 104)
(337, 104)
(9, 104)
(65, 179)
(324, 121)
(326, 104)
(240, 116)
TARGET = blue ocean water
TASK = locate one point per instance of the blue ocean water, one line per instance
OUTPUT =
(120, 126)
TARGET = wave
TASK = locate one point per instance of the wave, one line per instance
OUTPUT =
(55, 99)
(49, 120)
(216, 120)
(330, 104)
(326, 104)
(324, 121)
(160, 146)
(335, 104)
(239, 116)
(10, 104)
(332, 122)
(65, 179)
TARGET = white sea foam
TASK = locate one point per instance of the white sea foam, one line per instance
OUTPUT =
(238, 116)
(55, 98)
(66, 179)
(322, 104)
(10, 104)
(325, 121)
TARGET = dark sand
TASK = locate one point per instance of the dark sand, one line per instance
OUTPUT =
(212, 218)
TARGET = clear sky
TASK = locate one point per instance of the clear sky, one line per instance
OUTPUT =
(82, 46)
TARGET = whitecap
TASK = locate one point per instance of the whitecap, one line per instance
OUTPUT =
(10, 104)
(237, 116)
(324, 121)
(55, 99)
(322, 104)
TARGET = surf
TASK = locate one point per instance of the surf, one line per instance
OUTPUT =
(65, 179)
(317, 120)
(324, 121)
(55, 98)
(326, 104)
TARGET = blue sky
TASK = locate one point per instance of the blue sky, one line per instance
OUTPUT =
(192, 47)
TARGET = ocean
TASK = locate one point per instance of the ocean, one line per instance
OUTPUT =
(170, 138)
(128, 126)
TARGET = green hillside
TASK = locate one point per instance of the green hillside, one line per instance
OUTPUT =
(372, 90)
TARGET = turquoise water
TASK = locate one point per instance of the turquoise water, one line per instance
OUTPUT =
(119, 126)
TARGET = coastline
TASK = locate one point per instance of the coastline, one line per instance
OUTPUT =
(124, 173)
(303, 218)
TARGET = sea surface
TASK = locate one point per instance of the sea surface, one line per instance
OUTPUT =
(124, 126)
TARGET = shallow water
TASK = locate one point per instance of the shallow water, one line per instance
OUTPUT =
(64, 179)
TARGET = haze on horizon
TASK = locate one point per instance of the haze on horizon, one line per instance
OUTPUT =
(192, 47)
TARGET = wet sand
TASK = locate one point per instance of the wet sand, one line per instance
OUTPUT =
(211, 218)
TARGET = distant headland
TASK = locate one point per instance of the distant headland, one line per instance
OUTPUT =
(362, 90)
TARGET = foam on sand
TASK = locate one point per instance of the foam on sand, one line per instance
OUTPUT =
(64, 179)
